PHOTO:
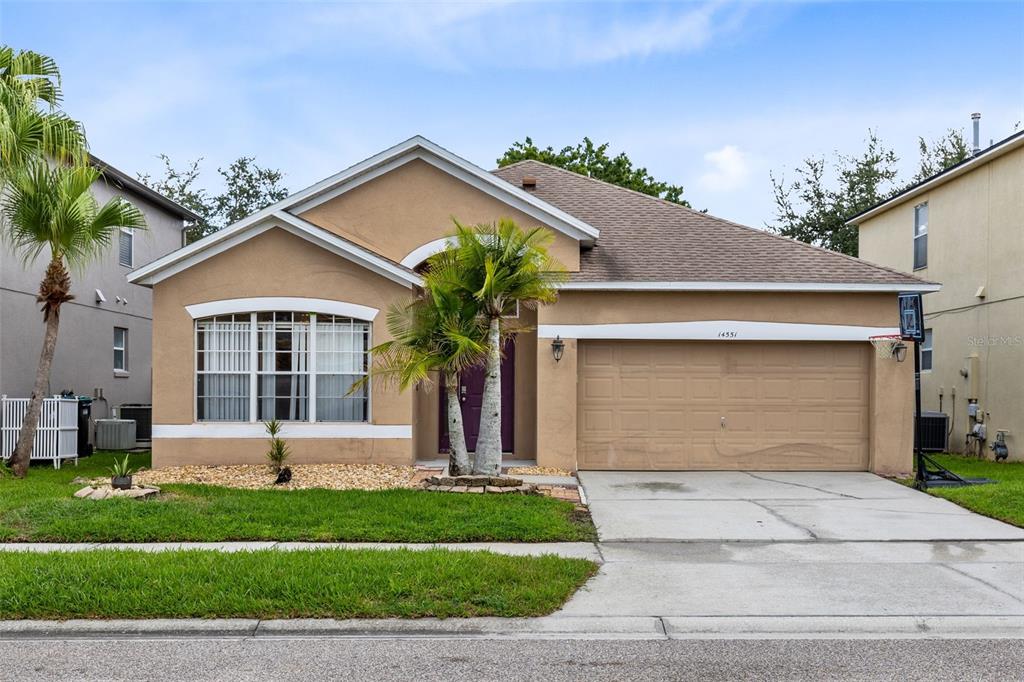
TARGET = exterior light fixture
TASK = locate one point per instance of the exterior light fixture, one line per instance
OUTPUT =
(899, 351)
(557, 348)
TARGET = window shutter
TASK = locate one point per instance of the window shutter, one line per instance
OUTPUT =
(125, 247)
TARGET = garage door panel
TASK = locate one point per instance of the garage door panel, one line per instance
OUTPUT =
(598, 387)
(777, 388)
(739, 388)
(659, 405)
(669, 388)
(852, 389)
(705, 389)
(598, 355)
(636, 387)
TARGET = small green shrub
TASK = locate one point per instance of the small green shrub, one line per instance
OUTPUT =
(120, 468)
(278, 453)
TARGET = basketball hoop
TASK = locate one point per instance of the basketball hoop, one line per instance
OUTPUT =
(885, 344)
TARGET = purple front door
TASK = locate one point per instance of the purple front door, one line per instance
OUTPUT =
(471, 393)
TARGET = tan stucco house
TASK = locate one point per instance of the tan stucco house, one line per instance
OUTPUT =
(690, 342)
(964, 227)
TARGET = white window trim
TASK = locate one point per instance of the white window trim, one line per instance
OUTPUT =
(288, 430)
(422, 253)
(931, 350)
(284, 304)
(254, 373)
(919, 235)
(122, 371)
(131, 233)
(714, 330)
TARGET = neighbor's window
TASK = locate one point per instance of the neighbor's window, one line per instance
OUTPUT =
(284, 365)
(926, 351)
(125, 244)
(920, 236)
(120, 349)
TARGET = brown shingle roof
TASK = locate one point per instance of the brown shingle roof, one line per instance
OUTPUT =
(644, 238)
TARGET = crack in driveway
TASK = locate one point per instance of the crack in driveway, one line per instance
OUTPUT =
(984, 582)
(801, 485)
(783, 519)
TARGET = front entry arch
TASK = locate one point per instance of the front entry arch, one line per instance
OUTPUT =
(471, 390)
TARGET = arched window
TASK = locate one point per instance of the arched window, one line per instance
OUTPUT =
(291, 366)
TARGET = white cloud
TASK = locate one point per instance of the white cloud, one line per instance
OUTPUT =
(520, 34)
(729, 170)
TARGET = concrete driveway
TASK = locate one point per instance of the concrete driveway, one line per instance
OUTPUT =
(692, 547)
(727, 506)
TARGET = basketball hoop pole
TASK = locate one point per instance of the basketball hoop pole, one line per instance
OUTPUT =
(920, 480)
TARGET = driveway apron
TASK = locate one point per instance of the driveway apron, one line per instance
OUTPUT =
(748, 544)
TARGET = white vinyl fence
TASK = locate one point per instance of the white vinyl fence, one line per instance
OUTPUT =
(57, 436)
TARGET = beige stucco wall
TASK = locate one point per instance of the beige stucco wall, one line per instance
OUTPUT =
(275, 263)
(975, 238)
(413, 205)
(892, 392)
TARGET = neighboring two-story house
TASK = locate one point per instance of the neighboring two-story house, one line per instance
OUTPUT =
(105, 332)
(964, 228)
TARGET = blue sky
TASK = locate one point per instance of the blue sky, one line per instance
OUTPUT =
(712, 95)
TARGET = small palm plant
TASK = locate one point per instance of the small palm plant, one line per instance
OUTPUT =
(278, 453)
(121, 474)
(496, 268)
(50, 211)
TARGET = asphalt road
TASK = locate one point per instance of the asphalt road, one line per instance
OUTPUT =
(477, 660)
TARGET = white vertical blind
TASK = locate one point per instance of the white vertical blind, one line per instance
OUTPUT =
(222, 365)
(292, 376)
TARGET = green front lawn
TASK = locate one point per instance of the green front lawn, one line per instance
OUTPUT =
(41, 508)
(280, 584)
(1003, 500)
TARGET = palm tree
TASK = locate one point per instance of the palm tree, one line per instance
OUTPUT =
(49, 209)
(31, 123)
(499, 267)
(437, 333)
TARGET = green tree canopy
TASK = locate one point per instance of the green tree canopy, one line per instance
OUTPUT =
(248, 188)
(814, 206)
(592, 160)
(940, 154)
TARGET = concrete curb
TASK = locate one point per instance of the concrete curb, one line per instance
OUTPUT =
(550, 627)
(571, 550)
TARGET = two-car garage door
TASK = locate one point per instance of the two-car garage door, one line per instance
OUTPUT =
(723, 405)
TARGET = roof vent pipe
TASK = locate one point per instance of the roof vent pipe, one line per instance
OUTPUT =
(529, 182)
(976, 119)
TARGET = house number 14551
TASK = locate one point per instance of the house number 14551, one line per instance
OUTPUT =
(727, 335)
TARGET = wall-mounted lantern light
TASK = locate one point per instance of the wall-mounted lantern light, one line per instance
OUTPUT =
(899, 351)
(557, 348)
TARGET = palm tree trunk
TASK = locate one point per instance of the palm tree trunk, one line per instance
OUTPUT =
(488, 444)
(53, 292)
(458, 455)
(23, 450)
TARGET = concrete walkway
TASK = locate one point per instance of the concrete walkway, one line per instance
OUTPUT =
(572, 550)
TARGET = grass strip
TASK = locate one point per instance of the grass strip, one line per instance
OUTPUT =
(41, 508)
(1003, 500)
(326, 583)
